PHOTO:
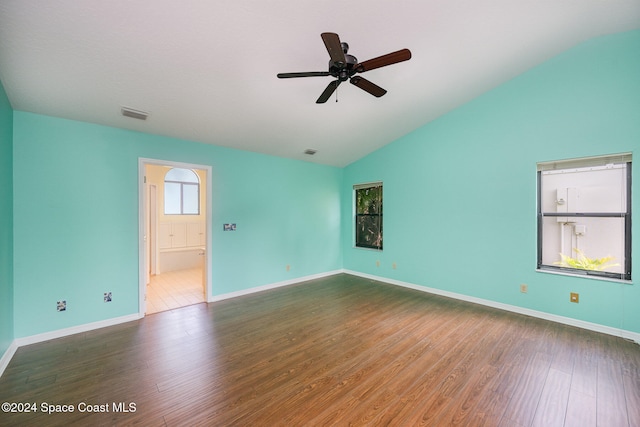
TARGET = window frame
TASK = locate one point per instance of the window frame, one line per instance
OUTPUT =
(626, 159)
(379, 215)
(182, 185)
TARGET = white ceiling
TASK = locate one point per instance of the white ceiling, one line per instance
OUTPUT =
(206, 70)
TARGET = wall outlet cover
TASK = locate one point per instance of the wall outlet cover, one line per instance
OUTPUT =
(107, 297)
(62, 305)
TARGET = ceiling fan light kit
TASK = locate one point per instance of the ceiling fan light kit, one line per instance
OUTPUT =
(343, 67)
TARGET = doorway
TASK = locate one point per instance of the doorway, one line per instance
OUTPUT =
(174, 248)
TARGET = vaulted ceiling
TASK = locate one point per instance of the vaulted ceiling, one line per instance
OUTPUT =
(206, 70)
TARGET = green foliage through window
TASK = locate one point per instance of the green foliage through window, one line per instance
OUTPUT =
(583, 262)
(369, 216)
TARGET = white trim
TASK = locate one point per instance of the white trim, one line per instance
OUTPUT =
(46, 336)
(142, 280)
(33, 339)
(7, 356)
(584, 276)
(249, 291)
(367, 185)
(634, 336)
(585, 162)
(584, 169)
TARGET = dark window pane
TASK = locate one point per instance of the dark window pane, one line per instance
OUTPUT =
(369, 200)
(369, 231)
(369, 216)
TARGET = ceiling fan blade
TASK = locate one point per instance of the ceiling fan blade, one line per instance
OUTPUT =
(384, 60)
(334, 47)
(307, 74)
(331, 87)
(367, 86)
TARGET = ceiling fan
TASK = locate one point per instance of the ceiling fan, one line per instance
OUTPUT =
(344, 67)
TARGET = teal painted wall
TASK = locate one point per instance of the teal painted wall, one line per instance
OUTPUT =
(459, 201)
(460, 192)
(6, 219)
(76, 218)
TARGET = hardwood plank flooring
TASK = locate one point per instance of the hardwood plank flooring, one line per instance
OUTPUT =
(336, 351)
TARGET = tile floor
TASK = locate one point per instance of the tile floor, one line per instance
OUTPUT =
(174, 289)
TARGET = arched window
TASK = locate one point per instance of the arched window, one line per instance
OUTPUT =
(181, 192)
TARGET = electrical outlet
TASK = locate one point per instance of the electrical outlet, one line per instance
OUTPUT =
(107, 297)
(62, 305)
(524, 288)
(574, 297)
(394, 265)
(378, 263)
(288, 267)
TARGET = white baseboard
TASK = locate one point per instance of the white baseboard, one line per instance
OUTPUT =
(6, 357)
(633, 336)
(19, 342)
(75, 330)
(249, 291)
(33, 339)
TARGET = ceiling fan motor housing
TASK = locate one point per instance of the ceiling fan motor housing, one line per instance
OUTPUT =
(343, 71)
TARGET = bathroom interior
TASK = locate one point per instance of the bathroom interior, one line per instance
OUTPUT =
(176, 237)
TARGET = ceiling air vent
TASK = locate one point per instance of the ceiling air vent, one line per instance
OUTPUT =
(310, 152)
(134, 114)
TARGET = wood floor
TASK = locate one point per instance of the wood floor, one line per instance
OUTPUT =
(335, 351)
(175, 289)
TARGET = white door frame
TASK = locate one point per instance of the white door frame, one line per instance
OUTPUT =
(142, 226)
(152, 244)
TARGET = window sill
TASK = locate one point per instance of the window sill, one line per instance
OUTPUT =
(584, 276)
(367, 249)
